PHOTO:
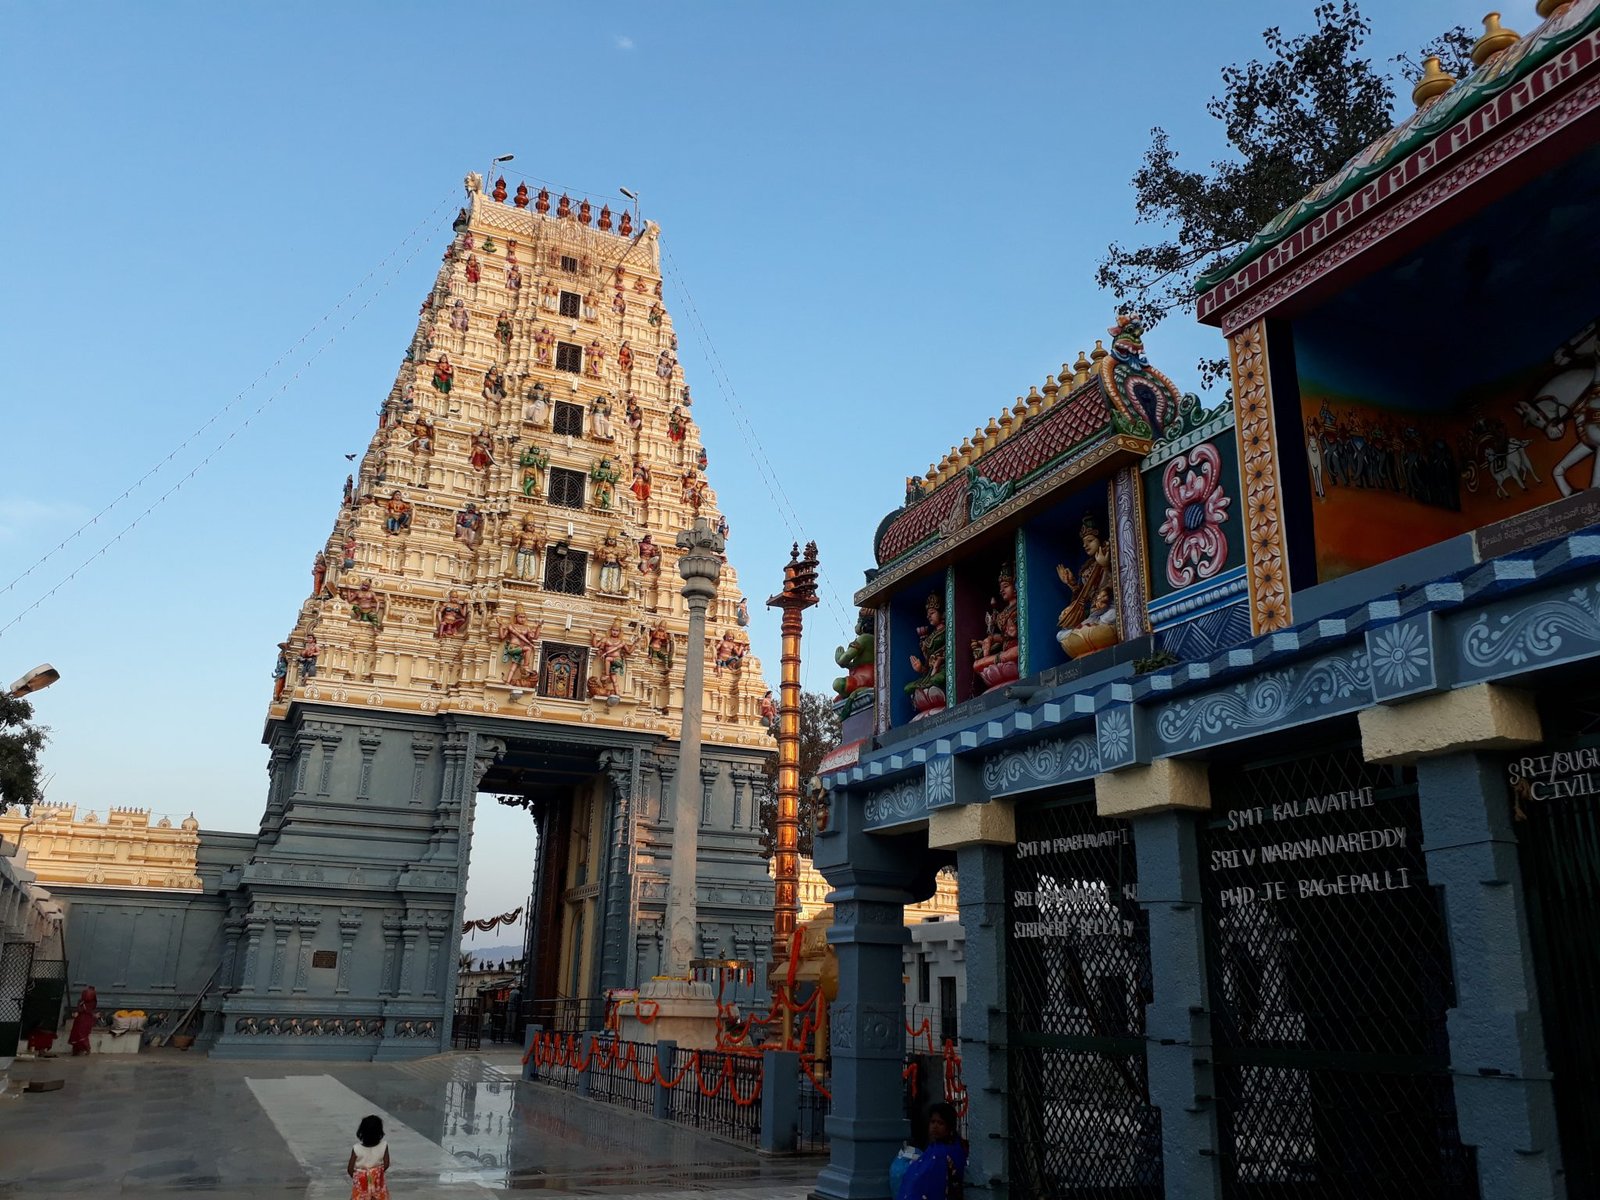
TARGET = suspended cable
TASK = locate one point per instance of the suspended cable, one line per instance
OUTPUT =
(221, 412)
(235, 432)
(758, 455)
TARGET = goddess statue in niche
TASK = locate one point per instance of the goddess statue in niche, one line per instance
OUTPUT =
(658, 646)
(534, 462)
(994, 655)
(649, 556)
(641, 482)
(927, 690)
(443, 374)
(729, 652)
(1089, 623)
(469, 525)
(308, 657)
(396, 513)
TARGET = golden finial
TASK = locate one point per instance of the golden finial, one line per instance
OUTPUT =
(1066, 375)
(1434, 82)
(1549, 8)
(1098, 352)
(1495, 39)
(964, 451)
(1051, 387)
(1080, 370)
(933, 473)
(1026, 404)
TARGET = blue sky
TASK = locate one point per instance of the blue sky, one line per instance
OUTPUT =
(886, 215)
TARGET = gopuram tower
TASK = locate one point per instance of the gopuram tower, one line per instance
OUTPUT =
(496, 610)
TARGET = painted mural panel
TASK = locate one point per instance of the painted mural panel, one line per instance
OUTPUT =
(1193, 516)
(1523, 438)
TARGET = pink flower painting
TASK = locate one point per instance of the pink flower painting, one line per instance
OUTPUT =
(1196, 509)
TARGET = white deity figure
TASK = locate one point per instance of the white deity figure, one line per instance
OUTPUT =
(1573, 395)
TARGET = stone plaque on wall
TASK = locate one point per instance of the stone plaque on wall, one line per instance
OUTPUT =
(325, 958)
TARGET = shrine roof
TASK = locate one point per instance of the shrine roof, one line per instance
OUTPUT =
(1334, 202)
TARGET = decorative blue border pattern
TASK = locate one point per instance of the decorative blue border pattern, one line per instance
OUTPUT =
(1498, 621)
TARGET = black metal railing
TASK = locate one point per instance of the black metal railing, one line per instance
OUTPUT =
(623, 1073)
(466, 1026)
(720, 1093)
(1329, 982)
(567, 1014)
(1078, 979)
(811, 1126)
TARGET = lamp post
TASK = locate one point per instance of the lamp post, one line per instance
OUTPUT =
(799, 593)
(35, 680)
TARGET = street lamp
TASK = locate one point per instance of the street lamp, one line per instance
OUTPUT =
(495, 162)
(35, 680)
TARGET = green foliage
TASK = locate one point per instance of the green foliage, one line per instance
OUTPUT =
(1156, 661)
(20, 743)
(819, 733)
(1291, 120)
(1453, 49)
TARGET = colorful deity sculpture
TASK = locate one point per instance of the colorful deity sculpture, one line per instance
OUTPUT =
(854, 689)
(769, 710)
(469, 526)
(1127, 340)
(625, 356)
(443, 375)
(308, 658)
(280, 672)
(319, 572)
(1089, 623)
(649, 556)
(741, 610)
(995, 654)
(605, 475)
(600, 419)
(611, 650)
(520, 647)
(482, 456)
(396, 513)
(535, 461)
(529, 542)
(609, 557)
(658, 646)
(927, 691)
(641, 482)
(451, 616)
(635, 415)
(536, 406)
(365, 604)
(729, 652)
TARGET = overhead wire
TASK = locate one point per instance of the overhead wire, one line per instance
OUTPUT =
(239, 428)
(758, 455)
(221, 412)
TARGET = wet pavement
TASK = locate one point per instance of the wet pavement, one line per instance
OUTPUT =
(165, 1124)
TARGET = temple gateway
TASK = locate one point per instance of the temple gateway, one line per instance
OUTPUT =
(495, 612)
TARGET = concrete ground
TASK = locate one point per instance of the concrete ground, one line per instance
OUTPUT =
(165, 1124)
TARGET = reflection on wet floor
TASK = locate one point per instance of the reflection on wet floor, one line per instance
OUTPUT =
(458, 1124)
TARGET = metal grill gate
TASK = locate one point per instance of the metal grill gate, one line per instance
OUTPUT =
(1556, 811)
(1078, 980)
(1329, 977)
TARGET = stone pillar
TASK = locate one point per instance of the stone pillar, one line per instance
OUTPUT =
(391, 948)
(411, 933)
(872, 882)
(282, 923)
(780, 1101)
(1504, 1100)
(255, 925)
(622, 769)
(349, 927)
(1165, 801)
(700, 567)
(981, 835)
(232, 929)
(306, 921)
(436, 928)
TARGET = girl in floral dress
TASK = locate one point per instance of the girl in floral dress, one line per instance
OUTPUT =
(369, 1162)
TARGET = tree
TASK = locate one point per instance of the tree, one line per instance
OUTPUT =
(20, 743)
(1291, 120)
(819, 733)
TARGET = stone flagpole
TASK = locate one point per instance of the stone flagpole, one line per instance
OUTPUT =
(672, 1006)
(700, 566)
